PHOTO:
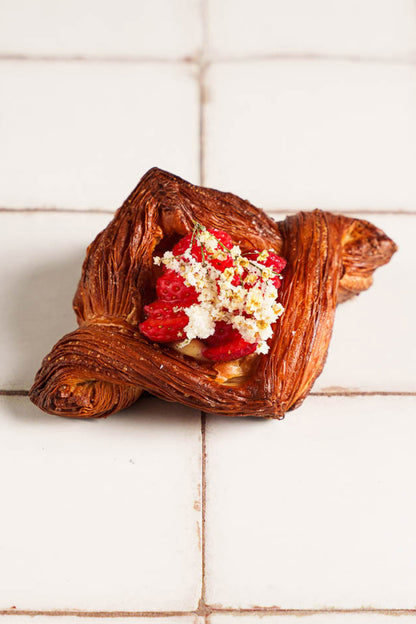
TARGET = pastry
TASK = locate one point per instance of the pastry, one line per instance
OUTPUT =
(125, 294)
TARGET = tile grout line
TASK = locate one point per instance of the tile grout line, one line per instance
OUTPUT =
(277, 56)
(342, 211)
(86, 58)
(302, 612)
(201, 120)
(313, 56)
(210, 610)
(202, 608)
(93, 614)
(58, 210)
(261, 611)
(202, 67)
(364, 393)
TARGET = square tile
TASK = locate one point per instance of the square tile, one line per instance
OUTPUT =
(81, 135)
(41, 256)
(313, 134)
(315, 511)
(378, 28)
(100, 515)
(155, 28)
(373, 345)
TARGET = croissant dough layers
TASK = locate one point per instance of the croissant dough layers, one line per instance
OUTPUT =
(105, 364)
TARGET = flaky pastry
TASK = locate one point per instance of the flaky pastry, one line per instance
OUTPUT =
(105, 364)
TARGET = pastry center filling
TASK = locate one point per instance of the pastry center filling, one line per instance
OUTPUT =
(215, 303)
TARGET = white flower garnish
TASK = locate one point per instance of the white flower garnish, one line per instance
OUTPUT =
(223, 296)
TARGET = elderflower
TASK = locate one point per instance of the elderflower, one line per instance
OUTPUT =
(249, 304)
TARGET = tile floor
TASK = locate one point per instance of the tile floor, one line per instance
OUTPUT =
(161, 512)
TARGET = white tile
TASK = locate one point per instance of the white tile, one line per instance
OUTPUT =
(315, 511)
(41, 256)
(378, 28)
(307, 134)
(373, 346)
(155, 28)
(100, 515)
(316, 618)
(80, 135)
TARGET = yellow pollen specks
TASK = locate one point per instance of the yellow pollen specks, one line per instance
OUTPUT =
(267, 273)
(263, 256)
(228, 273)
(251, 278)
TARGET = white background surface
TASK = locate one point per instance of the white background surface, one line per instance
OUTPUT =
(159, 512)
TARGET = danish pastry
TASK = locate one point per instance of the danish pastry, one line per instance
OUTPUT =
(137, 304)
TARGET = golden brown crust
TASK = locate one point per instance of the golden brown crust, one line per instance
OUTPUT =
(104, 365)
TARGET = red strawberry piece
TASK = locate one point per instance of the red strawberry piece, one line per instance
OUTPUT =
(171, 287)
(184, 243)
(223, 237)
(273, 260)
(228, 351)
(166, 326)
(225, 260)
(224, 332)
(224, 240)
(238, 279)
(161, 309)
(277, 263)
(277, 282)
(199, 254)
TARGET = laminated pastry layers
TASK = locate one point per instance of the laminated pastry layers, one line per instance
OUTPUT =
(105, 364)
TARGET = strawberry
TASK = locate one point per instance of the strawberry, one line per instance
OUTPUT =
(277, 263)
(163, 324)
(222, 236)
(185, 243)
(273, 260)
(161, 309)
(227, 241)
(227, 351)
(171, 287)
(224, 332)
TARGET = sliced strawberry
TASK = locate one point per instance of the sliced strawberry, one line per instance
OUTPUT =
(199, 254)
(231, 350)
(171, 287)
(222, 236)
(277, 282)
(238, 279)
(224, 332)
(165, 328)
(184, 243)
(161, 309)
(227, 242)
(277, 263)
(273, 260)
